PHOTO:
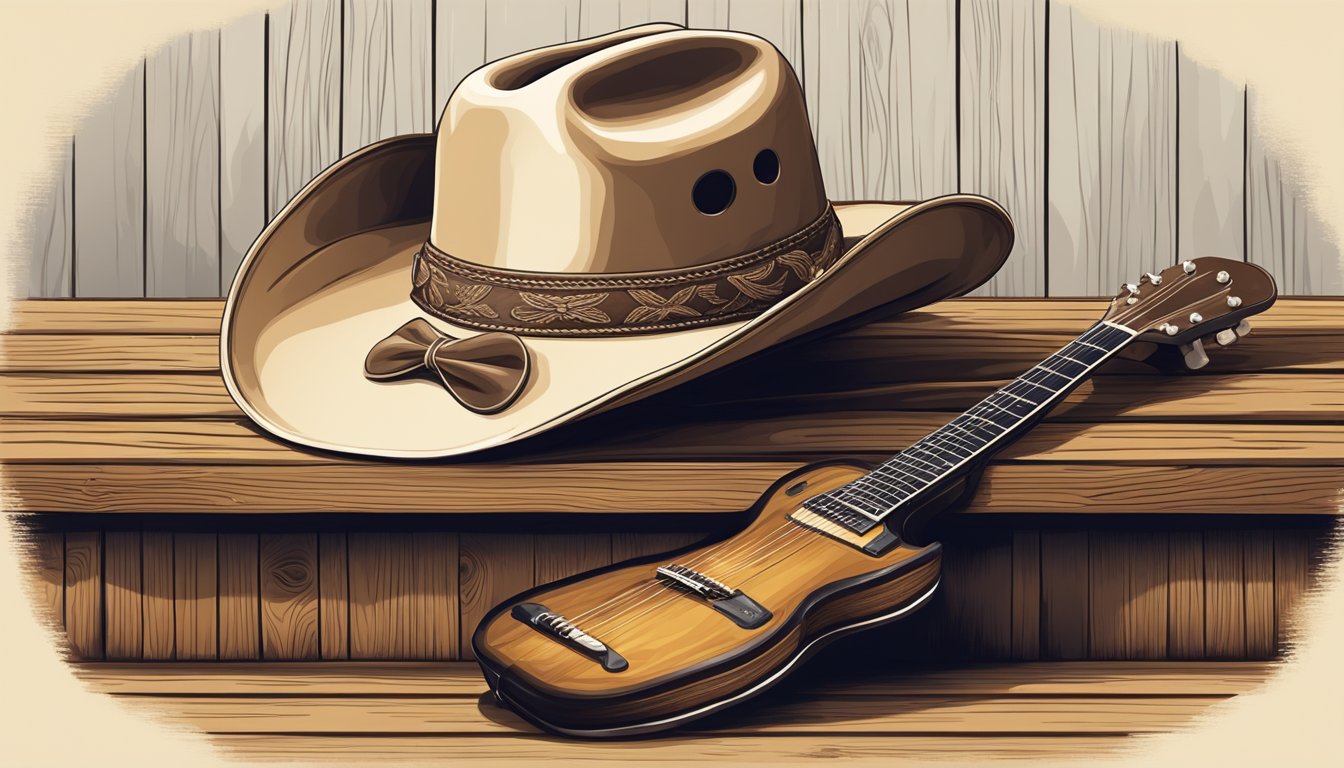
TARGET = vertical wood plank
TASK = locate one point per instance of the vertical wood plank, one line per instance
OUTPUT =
(1026, 594)
(1111, 156)
(627, 546)
(521, 25)
(1065, 575)
(47, 550)
(303, 105)
(239, 597)
(560, 556)
(1211, 178)
(1185, 595)
(156, 569)
(1291, 563)
(434, 604)
(1002, 49)
(51, 228)
(84, 594)
(598, 17)
(779, 21)
(195, 595)
(242, 141)
(289, 596)
(493, 567)
(123, 595)
(110, 193)
(333, 588)
(387, 75)
(459, 46)
(1128, 595)
(182, 167)
(1224, 595)
(880, 81)
(1284, 235)
(977, 587)
(1258, 568)
(404, 596)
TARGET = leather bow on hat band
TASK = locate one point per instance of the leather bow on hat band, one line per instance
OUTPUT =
(485, 373)
(533, 304)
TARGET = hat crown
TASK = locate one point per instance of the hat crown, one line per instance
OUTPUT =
(647, 149)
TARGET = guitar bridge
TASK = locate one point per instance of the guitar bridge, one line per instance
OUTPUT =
(555, 626)
(733, 603)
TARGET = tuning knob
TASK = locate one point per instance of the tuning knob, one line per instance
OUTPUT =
(1154, 279)
(1188, 266)
(1194, 354)
(1168, 329)
(1234, 301)
(1226, 337)
(1243, 328)
(1222, 277)
(1195, 318)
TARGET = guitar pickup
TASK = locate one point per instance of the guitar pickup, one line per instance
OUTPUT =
(555, 626)
(733, 603)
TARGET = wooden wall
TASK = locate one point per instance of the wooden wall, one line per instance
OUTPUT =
(1113, 151)
(1175, 589)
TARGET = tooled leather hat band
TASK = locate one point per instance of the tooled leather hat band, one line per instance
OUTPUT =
(536, 304)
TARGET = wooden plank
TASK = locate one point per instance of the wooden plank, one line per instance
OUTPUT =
(1026, 638)
(93, 316)
(51, 226)
(333, 594)
(512, 26)
(149, 395)
(242, 140)
(74, 354)
(196, 595)
(598, 17)
(289, 606)
(977, 587)
(559, 556)
(182, 167)
(1127, 601)
(404, 595)
(493, 568)
(303, 105)
(882, 134)
(84, 594)
(123, 594)
(1292, 553)
(779, 21)
(1002, 139)
(1112, 165)
(110, 193)
(459, 46)
(1283, 234)
(1211, 148)
(1065, 576)
(1185, 595)
(1258, 550)
(1224, 595)
(239, 596)
(160, 640)
(628, 546)
(45, 564)
(387, 70)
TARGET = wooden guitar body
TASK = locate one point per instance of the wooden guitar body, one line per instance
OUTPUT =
(674, 654)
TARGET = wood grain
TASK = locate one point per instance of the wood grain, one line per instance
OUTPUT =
(1259, 585)
(182, 168)
(512, 26)
(84, 594)
(242, 140)
(1065, 576)
(103, 394)
(1026, 631)
(1292, 566)
(289, 601)
(111, 352)
(239, 597)
(110, 193)
(1224, 594)
(459, 42)
(1127, 602)
(404, 596)
(333, 591)
(1002, 138)
(598, 17)
(93, 316)
(160, 638)
(123, 595)
(387, 70)
(1185, 595)
(559, 556)
(303, 105)
(1112, 164)
(51, 226)
(46, 550)
(196, 595)
(1211, 148)
(627, 546)
(881, 133)
(977, 587)
(779, 21)
(493, 567)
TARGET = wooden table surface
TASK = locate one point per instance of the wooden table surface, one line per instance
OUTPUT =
(117, 406)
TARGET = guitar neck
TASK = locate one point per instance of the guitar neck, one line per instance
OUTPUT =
(970, 438)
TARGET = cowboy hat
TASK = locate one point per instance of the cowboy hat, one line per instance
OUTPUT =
(592, 222)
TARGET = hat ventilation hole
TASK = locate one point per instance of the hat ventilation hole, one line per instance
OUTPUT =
(766, 166)
(714, 192)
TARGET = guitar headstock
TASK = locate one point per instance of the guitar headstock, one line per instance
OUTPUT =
(1207, 297)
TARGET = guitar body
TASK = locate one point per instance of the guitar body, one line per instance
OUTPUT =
(674, 655)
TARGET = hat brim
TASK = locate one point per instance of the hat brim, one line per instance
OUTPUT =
(329, 277)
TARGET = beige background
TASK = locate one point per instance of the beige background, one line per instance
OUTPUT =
(60, 56)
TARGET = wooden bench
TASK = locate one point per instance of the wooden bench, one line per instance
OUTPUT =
(1152, 517)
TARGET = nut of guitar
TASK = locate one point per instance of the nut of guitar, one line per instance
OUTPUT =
(652, 644)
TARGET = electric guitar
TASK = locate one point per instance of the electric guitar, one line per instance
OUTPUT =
(833, 548)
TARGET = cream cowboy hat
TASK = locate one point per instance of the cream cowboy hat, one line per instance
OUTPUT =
(591, 223)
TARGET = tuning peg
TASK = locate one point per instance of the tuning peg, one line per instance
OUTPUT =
(1194, 355)
(1243, 328)
(1234, 301)
(1154, 279)
(1168, 329)
(1188, 266)
(1226, 337)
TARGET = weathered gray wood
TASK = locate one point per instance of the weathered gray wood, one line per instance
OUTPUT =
(388, 69)
(51, 228)
(1002, 140)
(778, 21)
(1112, 170)
(521, 25)
(598, 17)
(459, 46)
(880, 78)
(182, 167)
(1212, 153)
(1283, 234)
(242, 140)
(303, 104)
(110, 193)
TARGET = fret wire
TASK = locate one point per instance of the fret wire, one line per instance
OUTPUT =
(883, 478)
(921, 461)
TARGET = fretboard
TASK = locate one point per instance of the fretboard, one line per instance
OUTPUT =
(982, 429)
